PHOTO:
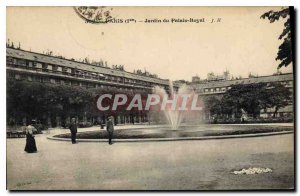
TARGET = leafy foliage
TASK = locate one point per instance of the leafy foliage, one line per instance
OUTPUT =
(251, 98)
(213, 105)
(35, 100)
(285, 49)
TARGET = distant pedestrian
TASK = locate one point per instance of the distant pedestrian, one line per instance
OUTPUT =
(110, 129)
(30, 146)
(73, 129)
(102, 124)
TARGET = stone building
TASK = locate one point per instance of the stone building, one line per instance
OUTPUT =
(36, 67)
(32, 66)
(219, 87)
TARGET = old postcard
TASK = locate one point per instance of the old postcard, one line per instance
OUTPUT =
(150, 98)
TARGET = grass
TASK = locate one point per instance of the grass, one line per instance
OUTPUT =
(205, 130)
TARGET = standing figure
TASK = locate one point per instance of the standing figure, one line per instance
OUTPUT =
(73, 129)
(30, 146)
(110, 129)
(102, 122)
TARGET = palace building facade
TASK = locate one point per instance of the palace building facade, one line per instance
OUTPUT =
(25, 65)
(219, 87)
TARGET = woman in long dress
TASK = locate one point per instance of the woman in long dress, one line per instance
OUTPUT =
(30, 141)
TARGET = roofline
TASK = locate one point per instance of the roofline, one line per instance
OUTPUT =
(214, 81)
(81, 62)
(265, 76)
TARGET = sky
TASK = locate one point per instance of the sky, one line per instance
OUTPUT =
(240, 43)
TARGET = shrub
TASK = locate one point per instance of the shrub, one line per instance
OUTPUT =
(85, 124)
(40, 127)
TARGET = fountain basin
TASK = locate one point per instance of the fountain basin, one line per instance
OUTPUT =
(184, 132)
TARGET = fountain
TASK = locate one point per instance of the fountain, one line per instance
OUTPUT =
(193, 126)
(174, 116)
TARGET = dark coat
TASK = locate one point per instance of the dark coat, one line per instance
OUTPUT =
(109, 127)
(73, 128)
(30, 146)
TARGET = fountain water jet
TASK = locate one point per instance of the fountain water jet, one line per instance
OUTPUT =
(174, 117)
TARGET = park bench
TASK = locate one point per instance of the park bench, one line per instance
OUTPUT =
(15, 132)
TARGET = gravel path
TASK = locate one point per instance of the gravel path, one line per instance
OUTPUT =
(179, 165)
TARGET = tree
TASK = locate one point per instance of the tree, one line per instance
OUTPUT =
(278, 97)
(38, 100)
(230, 105)
(254, 97)
(285, 49)
(213, 105)
(245, 96)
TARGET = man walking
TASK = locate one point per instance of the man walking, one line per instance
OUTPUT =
(73, 129)
(110, 129)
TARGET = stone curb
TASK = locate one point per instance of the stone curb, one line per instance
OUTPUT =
(176, 139)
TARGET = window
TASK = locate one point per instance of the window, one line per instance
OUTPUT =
(66, 70)
(87, 75)
(18, 77)
(94, 75)
(54, 67)
(21, 62)
(39, 65)
(29, 64)
(78, 73)
(9, 60)
(45, 67)
(52, 81)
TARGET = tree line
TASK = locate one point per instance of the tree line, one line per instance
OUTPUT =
(39, 101)
(250, 98)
